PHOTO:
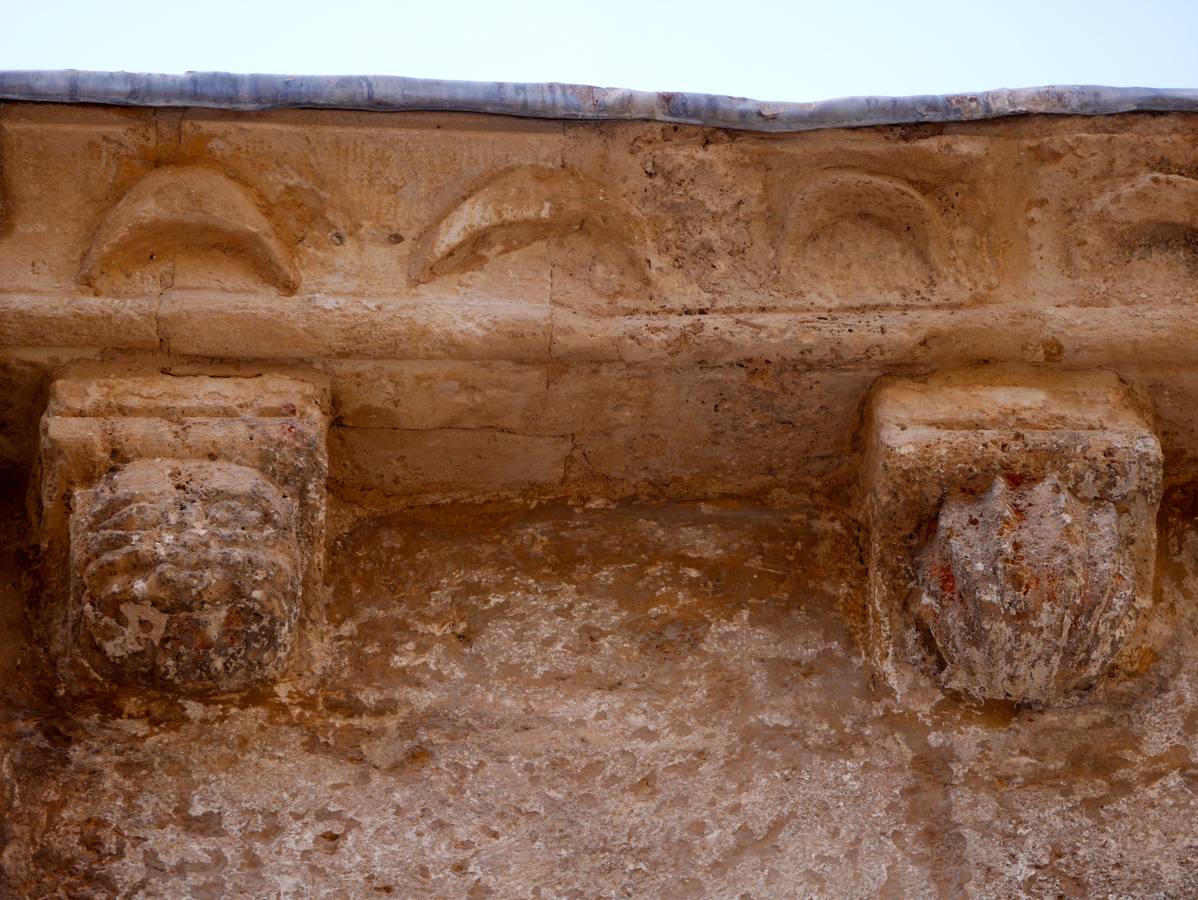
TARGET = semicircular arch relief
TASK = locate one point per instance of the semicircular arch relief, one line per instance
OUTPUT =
(178, 209)
(598, 241)
(1147, 225)
(857, 238)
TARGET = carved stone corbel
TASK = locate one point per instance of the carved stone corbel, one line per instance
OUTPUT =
(182, 524)
(1012, 529)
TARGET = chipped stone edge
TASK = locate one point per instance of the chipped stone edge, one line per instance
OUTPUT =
(388, 93)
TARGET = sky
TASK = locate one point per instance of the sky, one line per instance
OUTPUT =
(748, 48)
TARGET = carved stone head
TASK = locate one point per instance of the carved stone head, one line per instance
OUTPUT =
(182, 522)
(186, 574)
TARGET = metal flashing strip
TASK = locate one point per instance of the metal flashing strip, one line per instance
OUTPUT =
(386, 93)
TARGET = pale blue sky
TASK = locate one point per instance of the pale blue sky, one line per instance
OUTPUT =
(766, 50)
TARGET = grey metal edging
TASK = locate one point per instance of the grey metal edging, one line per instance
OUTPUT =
(388, 93)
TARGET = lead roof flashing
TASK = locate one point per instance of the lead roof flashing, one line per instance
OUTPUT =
(389, 93)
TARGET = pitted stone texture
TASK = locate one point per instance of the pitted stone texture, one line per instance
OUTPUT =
(187, 574)
(182, 523)
(1012, 532)
(1026, 590)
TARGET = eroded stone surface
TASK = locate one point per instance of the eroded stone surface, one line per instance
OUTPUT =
(596, 700)
(172, 210)
(1012, 529)
(527, 205)
(643, 700)
(182, 523)
(1026, 591)
(663, 258)
(188, 574)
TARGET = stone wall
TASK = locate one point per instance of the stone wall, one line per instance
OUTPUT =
(457, 505)
(507, 305)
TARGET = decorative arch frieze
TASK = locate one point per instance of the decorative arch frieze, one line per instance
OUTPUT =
(525, 206)
(1149, 215)
(898, 243)
(176, 208)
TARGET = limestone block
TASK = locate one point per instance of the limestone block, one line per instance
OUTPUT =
(841, 213)
(38, 320)
(185, 573)
(62, 170)
(429, 394)
(447, 460)
(182, 524)
(1012, 529)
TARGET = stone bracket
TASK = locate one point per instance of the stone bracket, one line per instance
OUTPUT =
(182, 522)
(1012, 529)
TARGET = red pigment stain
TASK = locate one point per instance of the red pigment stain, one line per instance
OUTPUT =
(946, 578)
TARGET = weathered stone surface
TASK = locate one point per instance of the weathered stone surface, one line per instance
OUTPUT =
(54, 321)
(1027, 591)
(174, 209)
(643, 699)
(446, 461)
(1012, 529)
(491, 426)
(290, 328)
(516, 660)
(182, 523)
(186, 574)
(1058, 241)
(527, 205)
